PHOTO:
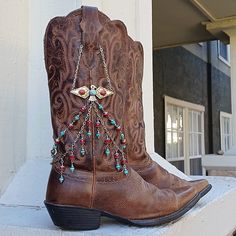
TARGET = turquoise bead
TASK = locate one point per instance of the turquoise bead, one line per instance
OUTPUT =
(98, 135)
(82, 152)
(100, 107)
(89, 133)
(122, 136)
(113, 122)
(118, 167)
(92, 92)
(72, 168)
(62, 133)
(124, 147)
(76, 117)
(61, 179)
(107, 151)
(126, 172)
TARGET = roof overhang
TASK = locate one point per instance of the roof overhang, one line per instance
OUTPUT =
(178, 22)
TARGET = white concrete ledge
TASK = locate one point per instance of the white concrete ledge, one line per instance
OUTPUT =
(22, 212)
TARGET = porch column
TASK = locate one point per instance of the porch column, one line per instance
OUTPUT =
(232, 34)
(217, 28)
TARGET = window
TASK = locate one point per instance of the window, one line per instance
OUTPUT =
(195, 134)
(174, 132)
(184, 131)
(226, 130)
(224, 52)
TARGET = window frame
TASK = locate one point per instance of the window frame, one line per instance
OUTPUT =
(186, 107)
(226, 61)
(222, 134)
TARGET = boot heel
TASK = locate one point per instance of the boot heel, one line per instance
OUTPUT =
(73, 218)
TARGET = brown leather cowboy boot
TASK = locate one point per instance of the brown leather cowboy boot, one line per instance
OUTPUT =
(90, 176)
(139, 159)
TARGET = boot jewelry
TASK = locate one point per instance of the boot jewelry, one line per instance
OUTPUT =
(91, 94)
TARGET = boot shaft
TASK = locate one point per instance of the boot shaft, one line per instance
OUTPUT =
(91, 63)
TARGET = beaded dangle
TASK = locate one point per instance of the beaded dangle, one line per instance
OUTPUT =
(112, 147)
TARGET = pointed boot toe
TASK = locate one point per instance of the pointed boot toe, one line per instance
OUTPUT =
(201, 186)
(155, 174)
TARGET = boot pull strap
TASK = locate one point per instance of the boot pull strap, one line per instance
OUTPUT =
(90, 26)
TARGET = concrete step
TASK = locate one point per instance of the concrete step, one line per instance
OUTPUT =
(22, 212)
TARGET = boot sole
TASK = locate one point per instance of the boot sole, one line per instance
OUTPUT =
(78, 218)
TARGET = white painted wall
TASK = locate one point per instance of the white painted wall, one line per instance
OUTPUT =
(13, 87)
(39, 135)
(24, 105)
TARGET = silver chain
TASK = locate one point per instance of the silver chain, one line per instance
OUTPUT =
(106, 130)
(77, 136)
(83, 125)
(77, 66)
(104, 66)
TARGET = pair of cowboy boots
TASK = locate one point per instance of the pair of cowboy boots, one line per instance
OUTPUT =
(100, 166)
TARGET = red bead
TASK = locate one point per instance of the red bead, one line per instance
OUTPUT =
(123, 162)
(89, 122)
(72, 158)
(83, 109)
(82, 141)
(82, 92)
(116, 155)
(107, 141)
(118, 128)
(57, 141)
(97, 124)
(105, 114)
(103, 92)
(62, 168)
(123, 141)
(71, 126)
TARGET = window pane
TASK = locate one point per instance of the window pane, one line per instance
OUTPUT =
(226, 132)
(168, 124)
(223, 51)
(195, 143)
(199, 144)
(169, 111)
(174, 126)
(168, 137)
(190, 121)
(174, 117)
(190, 144)
(175, 150)
(168, 151)
(227, 143)
(194, 122)
(181, 145)
(199, 122)
(227, 126)
(175, 137)
(181, 117)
